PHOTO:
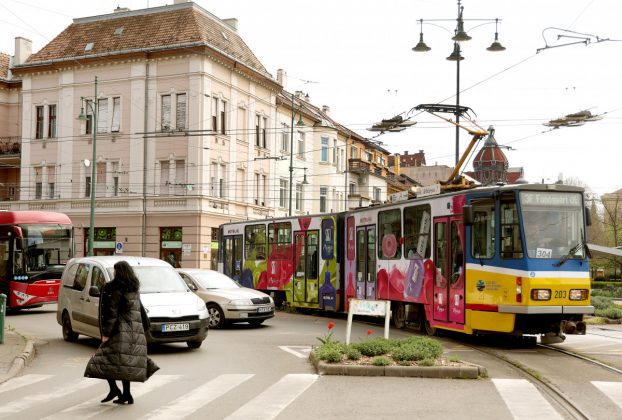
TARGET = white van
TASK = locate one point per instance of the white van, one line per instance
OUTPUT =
(175, 313)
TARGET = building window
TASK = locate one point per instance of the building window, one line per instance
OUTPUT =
(50, 190)
(242, 125)
(165, 175)
(102, 115)
(180, 111)
(223, 118)
(38, 190)
(166, 113)
(377, 193)
(298, 196)
(354, 153)
(89, 116)
(324, 154)
(87, 188)
(368, 157)
(180, 177)
(171, 245)
(104, 239)
(115, 178)
(218, 180)
(257, 131)
(282, 193)
(352, 188)
(52, 121)
(100, 180)
(301, 144)
(323, 198)
(51, 174)
(215, 115)
(257, 188)
(116, 115)
(264, 134)
(39, 123)
(334, 151)
(285, 130)
(264, 192)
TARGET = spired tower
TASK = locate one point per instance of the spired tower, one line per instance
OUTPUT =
(490, 163)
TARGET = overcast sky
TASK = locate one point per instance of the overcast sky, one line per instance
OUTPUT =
(355, 56)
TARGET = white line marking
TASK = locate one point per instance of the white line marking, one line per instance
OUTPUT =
(613, 390)
(94, 407)
(524, 400)
(191, 402)
(272, 401)
(22, 381)
(31, 400)
(298, 351)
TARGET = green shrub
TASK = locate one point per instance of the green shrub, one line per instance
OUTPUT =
(353, 354)
(427, 362)
(416, 348)
(373, 347)
(381, 361)
(611, 313)
(329, 353)
(601, 302)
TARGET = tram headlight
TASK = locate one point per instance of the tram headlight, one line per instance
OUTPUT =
(540, 294)
(578, 294)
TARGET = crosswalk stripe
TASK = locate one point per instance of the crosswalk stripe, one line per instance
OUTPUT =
(524, 400)
(31, 400)
(613, 390)
(94, 407)
(22, 381)
(192, 401)
(273, 400)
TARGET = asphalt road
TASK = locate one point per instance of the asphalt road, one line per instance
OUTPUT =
(262, 373)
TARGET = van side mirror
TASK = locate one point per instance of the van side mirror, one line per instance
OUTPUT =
(93, 291)
(588, 217)
(467, 215)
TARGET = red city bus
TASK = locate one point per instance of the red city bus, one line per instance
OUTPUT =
(34, 248)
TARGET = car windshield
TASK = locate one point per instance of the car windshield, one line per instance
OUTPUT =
(158, 279)
(214, 280)
(553, 224)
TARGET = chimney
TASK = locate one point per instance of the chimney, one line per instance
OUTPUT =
(181, 1)
(280, 77)
(232, 23)
(406, 152)
(23, 50)
(326, 109)
(120, 9)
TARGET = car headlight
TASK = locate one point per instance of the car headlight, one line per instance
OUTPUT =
(201, 305)
(271, 300)
(241, 302)
(578, 294)
(540, 294)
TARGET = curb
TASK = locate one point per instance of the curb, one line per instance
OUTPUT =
(468, 371)
(20, 361)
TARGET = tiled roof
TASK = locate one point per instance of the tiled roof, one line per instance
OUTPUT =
(4, 66)
(178, 26)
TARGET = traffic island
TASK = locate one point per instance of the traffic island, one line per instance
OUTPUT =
(457, 370)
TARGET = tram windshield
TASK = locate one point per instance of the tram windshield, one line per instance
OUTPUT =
(552, 223)
(42, 248)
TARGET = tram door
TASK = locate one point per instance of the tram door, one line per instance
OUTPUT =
(449, 262)
(306, 263)
(232, 256)
(366, 262)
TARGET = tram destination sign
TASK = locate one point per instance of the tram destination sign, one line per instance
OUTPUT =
(550, 199)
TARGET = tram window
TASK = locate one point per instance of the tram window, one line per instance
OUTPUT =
(279, 240)
(440, 257)
(457, 262)
(417, 232)
(312, 259)
(255, 242)
(390, 228)
(483, 229)
(511, 242)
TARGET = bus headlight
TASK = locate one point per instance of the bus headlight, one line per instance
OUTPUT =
(578, 294)
(540, 294)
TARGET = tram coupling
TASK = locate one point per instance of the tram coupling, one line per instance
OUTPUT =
(572, 327)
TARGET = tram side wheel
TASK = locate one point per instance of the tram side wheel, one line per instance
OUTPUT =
(429, 330)
(68, 333)
(399, 315)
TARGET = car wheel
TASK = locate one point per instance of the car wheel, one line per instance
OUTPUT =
(68, 333)
(216, 316)
(194, 344)
(256, 322)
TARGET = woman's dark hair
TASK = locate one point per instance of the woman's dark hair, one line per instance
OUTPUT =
(126, 277)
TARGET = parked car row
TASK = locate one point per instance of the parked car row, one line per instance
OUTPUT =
(181, 304)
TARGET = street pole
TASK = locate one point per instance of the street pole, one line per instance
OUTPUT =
(457, 109)
(291, 158)
(93, 173)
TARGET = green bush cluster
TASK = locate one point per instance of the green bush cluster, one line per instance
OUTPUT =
(601, 302)
(352, 353)
(611, 313)
(416, 349)
(373, 347)
(331, 352)
(381, 361)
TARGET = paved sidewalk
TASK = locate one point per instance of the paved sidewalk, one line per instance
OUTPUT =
(15, 353)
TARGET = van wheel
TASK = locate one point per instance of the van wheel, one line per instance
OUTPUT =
(194, 344)
(68, 333)
(216, 316)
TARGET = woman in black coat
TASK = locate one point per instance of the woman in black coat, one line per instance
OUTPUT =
(122, 354)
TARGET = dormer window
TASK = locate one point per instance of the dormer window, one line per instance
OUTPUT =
(89, 46)
(119, 31)
(224, 35)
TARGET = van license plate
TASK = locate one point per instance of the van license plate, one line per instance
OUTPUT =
(264, 309)
(175, 327)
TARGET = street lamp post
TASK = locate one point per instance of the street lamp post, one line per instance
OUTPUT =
(459, 36)
(93, 166)
(291, 156)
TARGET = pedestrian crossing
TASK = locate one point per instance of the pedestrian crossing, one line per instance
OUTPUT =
(179, 399)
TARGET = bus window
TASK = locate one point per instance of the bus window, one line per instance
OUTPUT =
(4, 257)
(511, 242)
(483, 229)
(417, 232)
(390, 228)
(255, 242)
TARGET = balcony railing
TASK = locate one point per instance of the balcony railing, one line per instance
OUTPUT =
(9, 147)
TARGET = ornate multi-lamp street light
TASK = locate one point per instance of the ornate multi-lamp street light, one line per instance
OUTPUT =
(93, 165)
(460, 35)
(300, 123)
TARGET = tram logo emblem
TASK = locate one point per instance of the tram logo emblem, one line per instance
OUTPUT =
(480, 285)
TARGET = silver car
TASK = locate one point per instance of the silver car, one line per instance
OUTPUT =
(226, 300)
